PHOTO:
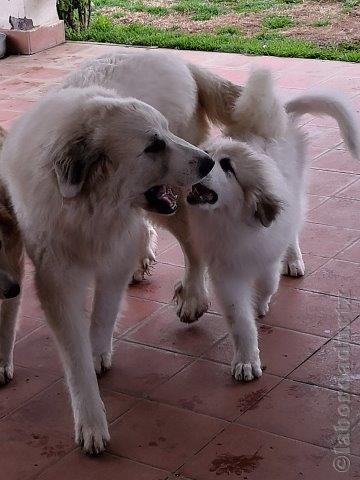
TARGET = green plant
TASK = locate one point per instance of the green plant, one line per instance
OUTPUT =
(157, 10)
(321, 23)
(276, 21)
(200, 10)
(228, 31)
(348, 5)
(75, 13)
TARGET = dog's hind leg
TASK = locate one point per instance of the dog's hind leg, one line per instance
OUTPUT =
(108, 295)
(235, 295)
(147, 252)
(62, 293)
(8, 317)
(267, 285)
(293, 263)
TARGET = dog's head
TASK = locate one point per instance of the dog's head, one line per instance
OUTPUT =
(243, 182)
(124, 147)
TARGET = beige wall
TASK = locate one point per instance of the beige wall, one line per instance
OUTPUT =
(42, 12)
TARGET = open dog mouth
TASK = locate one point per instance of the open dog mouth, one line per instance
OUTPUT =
(200, 195)
(161, 199)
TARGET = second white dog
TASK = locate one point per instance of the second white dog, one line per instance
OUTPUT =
(248, 211)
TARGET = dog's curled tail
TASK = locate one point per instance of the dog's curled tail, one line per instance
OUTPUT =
(335, 106)
(217, 96)
(259, 110)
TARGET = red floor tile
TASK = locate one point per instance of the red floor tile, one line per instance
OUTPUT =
(281, 350)
(30, 305)
(165, 240)
(27, 325)
(242, 452)
(160, 285)
(107, 467)
(310, 312)
(138, 369)
(351, 333)
(314, 201)
(173, 256)
(166, 331)
(325, 240)
(302, 412)
(25, 384)
(338, 160)
(340, 212)
(18, 86)
(39, 352)
(336, 278)
(351, 254)
(207, 387)
(353, 191)
(327, 369)
(44, 74)
(135, 311)
(36, 435)
(162, 436)
(327, 183)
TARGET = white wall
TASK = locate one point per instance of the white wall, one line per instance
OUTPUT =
(41, 12)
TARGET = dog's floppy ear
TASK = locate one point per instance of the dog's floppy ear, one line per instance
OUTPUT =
(72, 165)
(264, 205)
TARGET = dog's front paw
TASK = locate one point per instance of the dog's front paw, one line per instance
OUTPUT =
(293, 268)
(191, 303)
(102, 362)
(6, 372)
(246, 370)
(263, 308)
(92, 435)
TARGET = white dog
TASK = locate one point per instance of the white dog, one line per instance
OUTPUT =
(80, 166)
(248, 211)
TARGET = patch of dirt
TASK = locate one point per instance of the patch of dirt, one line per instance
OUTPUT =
(228, 463)
(343, 26)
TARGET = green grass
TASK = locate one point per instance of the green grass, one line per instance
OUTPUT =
(132, 6)
(321, 23)
(103, 29)
(204, 9)
(348, 5)
(243, 6)
(199, 10)
(228, 31)
(276, 21)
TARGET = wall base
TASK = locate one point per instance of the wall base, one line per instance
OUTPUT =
(21, 42)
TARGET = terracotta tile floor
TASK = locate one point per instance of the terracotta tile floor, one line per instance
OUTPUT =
(174, 411)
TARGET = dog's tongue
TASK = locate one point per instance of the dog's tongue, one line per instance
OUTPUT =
(161, 199)
(200, 194)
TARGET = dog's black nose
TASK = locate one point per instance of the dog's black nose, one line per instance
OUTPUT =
(206, 165)
(12, 291)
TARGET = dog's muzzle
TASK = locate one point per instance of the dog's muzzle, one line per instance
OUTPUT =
(161, 199)
(200, 195)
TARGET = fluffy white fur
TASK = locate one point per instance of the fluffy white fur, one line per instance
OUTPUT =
(259, 178)
(77, 165)
(189, 97)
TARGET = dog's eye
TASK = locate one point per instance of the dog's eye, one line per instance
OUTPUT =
(157, 145)
(225, 164)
